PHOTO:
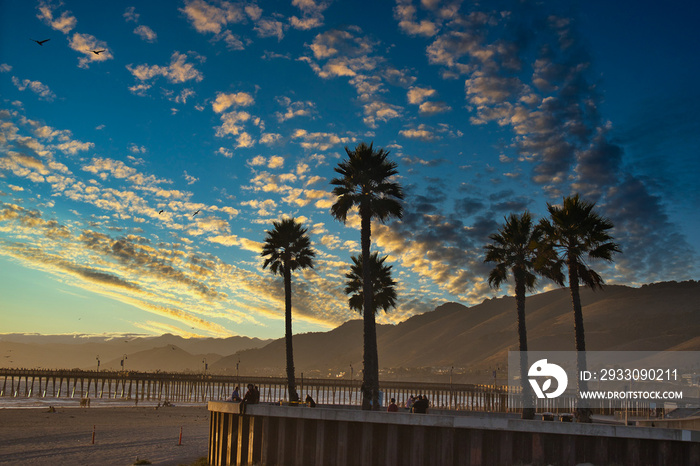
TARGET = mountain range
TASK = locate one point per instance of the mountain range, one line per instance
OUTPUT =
(471, 342)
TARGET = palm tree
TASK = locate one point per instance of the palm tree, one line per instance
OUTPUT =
(365, 183)
(383, 286)
(518, 248)
(576, 231)
(288, 248)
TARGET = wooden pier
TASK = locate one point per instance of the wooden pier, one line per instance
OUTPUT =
(111, 384)
(200, 388)
(179, 387)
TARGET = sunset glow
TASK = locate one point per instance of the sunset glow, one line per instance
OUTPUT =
(136, 184)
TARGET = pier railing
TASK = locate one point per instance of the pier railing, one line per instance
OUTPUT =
(181, 387)
(200, 388)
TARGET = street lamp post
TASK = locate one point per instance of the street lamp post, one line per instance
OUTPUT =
(451, 392)
(351, 388)
(204, 361)
(123, 365)
(98, 363)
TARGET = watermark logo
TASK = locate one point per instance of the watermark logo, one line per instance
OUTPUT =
(618, 379)
(542, 369)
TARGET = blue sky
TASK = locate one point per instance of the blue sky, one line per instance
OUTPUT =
(241, 111)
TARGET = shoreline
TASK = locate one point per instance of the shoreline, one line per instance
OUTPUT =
(35, 436)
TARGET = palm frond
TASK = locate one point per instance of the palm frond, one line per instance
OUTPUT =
(577, 231)
(384, 286)
(518, 247)
(287, 245)
(365, 176)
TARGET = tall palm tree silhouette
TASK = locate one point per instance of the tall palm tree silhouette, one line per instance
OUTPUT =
(576, 231)
(517, 248)
(288, 248)
(365, 182)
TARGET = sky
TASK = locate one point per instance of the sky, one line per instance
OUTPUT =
(241, 110)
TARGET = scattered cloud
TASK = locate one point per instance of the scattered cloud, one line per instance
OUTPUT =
(177, 72)
(89, 46)
(405, 13)
(421, 132)
(431, 108)
(135, 149)
(190, 179)
(146, 33)
(216, 17)
(234, 124)
(224, 101)
(293, 109)
(270, 28)
(225, 152)
(276, 162)
(65, 23)
(130, 15)
(208, 18)
(270, 139)
(418, 95)
(40, 89)
(319, 141)
(380, 111)
(312, 14)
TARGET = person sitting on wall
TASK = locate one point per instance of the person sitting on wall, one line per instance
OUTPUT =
(409, 403)
(421, 405)
(249, 397)
(252, 396)
(235, 396)
(310, 401)
(392, 408)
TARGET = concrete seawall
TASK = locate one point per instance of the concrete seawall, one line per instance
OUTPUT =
(280, 435)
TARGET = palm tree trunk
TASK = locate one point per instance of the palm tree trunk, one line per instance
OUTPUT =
(370, 374)
(528, 412)
(576, 303)
(291, 384)
(583, 412)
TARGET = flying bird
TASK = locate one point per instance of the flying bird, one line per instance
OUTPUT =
(160, 212)
(40, 42)
(195, 213)
(97, 52)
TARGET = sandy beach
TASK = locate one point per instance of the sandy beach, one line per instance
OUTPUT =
(122, 434)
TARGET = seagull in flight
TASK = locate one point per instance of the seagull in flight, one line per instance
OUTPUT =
(97, 52)
(40, 42)
(160, 212)
(195, 213)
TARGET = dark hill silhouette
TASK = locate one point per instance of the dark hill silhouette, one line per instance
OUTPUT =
(475, 340)
(168, 358)
(76, 351)
(337, 348)
(652, 318)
